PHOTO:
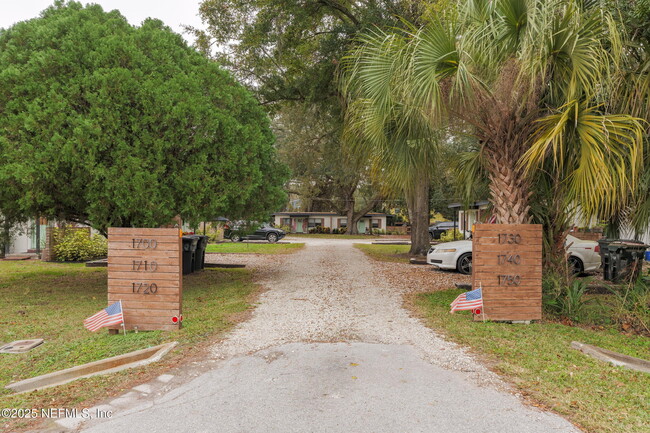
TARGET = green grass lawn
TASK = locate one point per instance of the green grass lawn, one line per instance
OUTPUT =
(245, 247)
(538, 359)
(386, 253)
(50, 301)
(330, 236)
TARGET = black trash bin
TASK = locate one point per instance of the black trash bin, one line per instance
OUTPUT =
(622, 259)
(189, 252)
(199, 256)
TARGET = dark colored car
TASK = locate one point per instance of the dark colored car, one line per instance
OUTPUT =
(264, 232)
(436, 230)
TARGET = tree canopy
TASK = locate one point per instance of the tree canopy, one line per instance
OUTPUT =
(116, 125)
(289, 53)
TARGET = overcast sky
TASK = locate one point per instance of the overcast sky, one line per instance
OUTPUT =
(173, 13)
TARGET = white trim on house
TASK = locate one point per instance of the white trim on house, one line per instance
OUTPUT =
(301, 222)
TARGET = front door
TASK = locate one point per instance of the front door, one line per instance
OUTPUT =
(361, 226)
(299, 223)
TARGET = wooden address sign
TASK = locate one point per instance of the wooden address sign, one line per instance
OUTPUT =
(145, 273)
(507, 264)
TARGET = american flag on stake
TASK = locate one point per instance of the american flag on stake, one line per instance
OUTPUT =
(111, 315)
(472, 300)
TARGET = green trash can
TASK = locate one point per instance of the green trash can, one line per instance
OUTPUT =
(622, 259)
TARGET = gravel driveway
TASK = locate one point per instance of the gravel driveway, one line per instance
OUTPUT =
(330, 348)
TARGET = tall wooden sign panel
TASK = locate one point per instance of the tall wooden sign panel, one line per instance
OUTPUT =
(145, 273)
(507, 264)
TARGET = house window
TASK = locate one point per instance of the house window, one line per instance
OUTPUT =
(313, 222)
(343, 222)
(376, 224)
(286, 222)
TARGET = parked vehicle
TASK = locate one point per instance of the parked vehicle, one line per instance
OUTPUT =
(436, 230)
(253, 231)
(583, 255)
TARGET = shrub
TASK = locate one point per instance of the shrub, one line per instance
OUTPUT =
(564, 298)
(448, 236)
(285, 228)
(342, 230)
(335, 231)
(76, 245)
(632, 306)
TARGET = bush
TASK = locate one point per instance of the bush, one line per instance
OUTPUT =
(285, 228)
(632, 306)
(76, 245)
(564, 297)
(342, 230)
(448, 236)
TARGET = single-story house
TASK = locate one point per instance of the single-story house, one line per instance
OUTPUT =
(28, 238)
(301, 222)
(470, 215)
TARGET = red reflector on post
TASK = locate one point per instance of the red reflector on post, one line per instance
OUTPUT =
(175, 319)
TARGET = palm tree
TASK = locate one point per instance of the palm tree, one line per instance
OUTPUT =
(533, 78)
(397, 137)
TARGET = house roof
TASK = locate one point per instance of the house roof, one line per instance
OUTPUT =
(475, 205)
(310, 214)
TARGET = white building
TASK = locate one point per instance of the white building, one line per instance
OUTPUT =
(301, 222)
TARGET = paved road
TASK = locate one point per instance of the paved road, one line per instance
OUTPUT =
(329, 349)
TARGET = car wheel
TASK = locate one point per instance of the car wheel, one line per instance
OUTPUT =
(464, 264)
(576, 267)
(235, 238)
(272, 238)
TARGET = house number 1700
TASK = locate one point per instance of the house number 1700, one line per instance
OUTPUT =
(143, 244)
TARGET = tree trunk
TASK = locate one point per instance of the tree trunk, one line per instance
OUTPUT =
(352, 223)
(419, 215)
(509, 190)
(354, 217)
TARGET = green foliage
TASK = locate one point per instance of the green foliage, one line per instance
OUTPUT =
(632, 306)
(291, 51)
(116, 125)
(452, 235)
(286, 229)
(71, 245)
(531, 80)
(566, 297)
(319, 230)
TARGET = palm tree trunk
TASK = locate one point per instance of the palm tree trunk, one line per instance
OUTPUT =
(419, 213)
(509, 191)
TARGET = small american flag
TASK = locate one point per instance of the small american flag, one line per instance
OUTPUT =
(111, 315)
(468, 301)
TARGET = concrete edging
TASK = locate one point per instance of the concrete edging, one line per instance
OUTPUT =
(104, 366)
(617, 359)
